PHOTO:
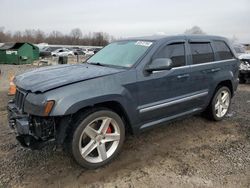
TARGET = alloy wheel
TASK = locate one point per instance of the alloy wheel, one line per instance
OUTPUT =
(99, 140)
(222, 103)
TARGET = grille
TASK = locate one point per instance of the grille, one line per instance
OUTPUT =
(19, 99)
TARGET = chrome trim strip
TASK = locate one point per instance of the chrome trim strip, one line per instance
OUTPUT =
(210, 63)
(196, 65)
(150, 108)
(169, 118)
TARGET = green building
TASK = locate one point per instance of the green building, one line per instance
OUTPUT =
(18, 53)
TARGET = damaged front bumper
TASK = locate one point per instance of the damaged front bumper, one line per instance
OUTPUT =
(31, 131)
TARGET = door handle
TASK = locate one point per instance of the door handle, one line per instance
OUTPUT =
(211, 70)
(215, 70)
(183, 76)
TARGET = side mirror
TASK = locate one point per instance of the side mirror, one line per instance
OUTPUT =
(160, 64)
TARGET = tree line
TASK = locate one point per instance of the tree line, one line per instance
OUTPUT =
(75, 37)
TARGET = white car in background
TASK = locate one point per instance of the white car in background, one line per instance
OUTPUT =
(88, 52)
(62, 52)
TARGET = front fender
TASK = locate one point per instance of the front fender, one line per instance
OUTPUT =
(93, 101)
(117, 88)
(69, 99)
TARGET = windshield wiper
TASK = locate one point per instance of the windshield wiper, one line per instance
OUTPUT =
(106, 65)
(96, 63)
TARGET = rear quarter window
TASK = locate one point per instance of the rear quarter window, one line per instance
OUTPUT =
(201, 52)
(222, 50)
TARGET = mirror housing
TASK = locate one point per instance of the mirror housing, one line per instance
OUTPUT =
(159, 64)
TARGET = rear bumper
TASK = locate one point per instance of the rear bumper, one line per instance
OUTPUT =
(235, 84)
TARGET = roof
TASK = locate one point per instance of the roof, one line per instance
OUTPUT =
(14, 45)
(160, 37)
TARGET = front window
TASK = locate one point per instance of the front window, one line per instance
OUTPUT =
(122, 53)
(174, 51)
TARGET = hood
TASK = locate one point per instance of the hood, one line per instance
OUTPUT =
(47, 78)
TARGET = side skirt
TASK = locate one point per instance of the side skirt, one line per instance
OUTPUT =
(152, 123)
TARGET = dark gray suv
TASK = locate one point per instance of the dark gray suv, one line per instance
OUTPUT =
(129, 86)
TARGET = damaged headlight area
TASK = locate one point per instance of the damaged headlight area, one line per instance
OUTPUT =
(38, 104)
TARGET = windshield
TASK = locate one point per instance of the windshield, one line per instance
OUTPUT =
(122, 53)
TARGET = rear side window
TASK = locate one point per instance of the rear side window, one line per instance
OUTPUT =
(222, 50)
(201, 52)
(174, 51)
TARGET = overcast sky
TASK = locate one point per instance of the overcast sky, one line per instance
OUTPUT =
(129, 17)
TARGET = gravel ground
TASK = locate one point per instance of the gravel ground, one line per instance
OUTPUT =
(193, 152)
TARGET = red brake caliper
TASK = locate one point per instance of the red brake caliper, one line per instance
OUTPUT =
(109, 130)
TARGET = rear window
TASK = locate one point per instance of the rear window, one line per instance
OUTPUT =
(222, 50)
(239, 50)
(201, 52)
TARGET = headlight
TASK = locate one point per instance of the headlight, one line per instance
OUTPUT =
(48, 107)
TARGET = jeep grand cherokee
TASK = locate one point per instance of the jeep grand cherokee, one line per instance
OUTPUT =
(128, 86)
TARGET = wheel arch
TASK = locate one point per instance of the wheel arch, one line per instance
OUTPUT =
(227, 83)
(119, 109)
(112, 105)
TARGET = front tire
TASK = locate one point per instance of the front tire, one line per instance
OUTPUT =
(220, 104)
(97, 138)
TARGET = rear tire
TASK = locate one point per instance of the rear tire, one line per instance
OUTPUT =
(220, 104)
(97, 138)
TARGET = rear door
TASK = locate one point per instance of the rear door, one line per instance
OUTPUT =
(203, 68)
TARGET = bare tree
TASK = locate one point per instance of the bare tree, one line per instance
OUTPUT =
(39, 36)
(56, 37)
(76, 35)
(17, 36)
(194, 30)
(4, 36)
(55, 34)
(28, 35)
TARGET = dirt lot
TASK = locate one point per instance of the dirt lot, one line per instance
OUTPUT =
(193, 152)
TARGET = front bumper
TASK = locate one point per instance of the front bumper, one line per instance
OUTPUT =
(28, 132)
(17, 121)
